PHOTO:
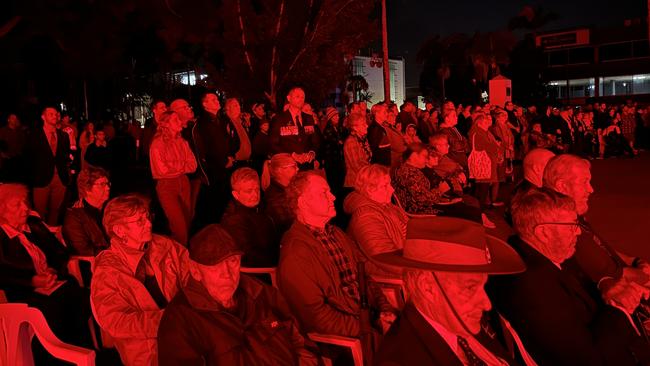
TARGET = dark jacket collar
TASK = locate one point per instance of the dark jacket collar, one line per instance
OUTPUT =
(199, 298)
(434, 344)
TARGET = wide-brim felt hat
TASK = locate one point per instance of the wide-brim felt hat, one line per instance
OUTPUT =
(448, 244)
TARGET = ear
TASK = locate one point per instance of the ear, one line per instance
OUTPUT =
(543, 233)
(426, 287)
(235, 194)
(118, 230)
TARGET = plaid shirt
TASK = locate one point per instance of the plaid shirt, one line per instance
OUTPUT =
(347, 271)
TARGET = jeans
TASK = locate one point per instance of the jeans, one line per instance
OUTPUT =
(174, 197)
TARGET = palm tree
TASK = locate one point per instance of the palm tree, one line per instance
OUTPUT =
(532, 19)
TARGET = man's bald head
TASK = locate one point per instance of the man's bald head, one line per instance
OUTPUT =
(534, 164)
(183, 109)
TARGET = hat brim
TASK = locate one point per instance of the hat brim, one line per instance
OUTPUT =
(504, 260)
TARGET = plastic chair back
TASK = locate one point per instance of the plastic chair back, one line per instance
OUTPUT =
(19, 323)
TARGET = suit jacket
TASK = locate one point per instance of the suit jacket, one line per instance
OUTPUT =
(411, 340)
(559, 320)
(16, 265)
(286, 137)
(42, 162)
(214, 140)
(379, 144)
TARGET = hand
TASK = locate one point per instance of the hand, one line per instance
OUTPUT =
(230, 162)
(386, 319)
(462, 178)
(443, 187)
(623, 293)
(45, 280)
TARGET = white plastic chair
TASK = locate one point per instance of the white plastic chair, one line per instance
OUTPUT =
(270, 271)
(75, 270)
(353, 344)
(393, 289)
(19, 323)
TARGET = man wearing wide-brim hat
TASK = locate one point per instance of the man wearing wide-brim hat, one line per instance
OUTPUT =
(445, 267)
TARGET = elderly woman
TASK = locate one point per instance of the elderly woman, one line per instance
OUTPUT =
(377, 225)
(356, 149)
(447, 168)
(501, 131)
(82, 226)
(33, 268)
(134, 279)
(458, 148)
(416, 195)
(171, 160)
(261, 246)
(487, 189)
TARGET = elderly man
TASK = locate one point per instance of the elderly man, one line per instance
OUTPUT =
(261, 246)
(620, 279)
(282, 168)
(318, 265)
(555, 314)
(378, 136)
(186, 116)
(238, 120)
(295, 132)
(356, 151)
(221, 317)
(446, 265)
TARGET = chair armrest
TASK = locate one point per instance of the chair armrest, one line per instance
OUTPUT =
(271, 271)
(353, 344)
(73, 266)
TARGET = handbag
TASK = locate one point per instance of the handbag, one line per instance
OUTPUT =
(479, 163)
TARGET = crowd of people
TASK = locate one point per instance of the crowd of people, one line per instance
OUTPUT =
(325, 200)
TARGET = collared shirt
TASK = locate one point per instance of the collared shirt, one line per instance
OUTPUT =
(37, 255)
(345, 267)
(452, 341)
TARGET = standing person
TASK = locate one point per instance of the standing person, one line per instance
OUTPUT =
(238, 120)
(502, 132)
(332, 152)
(215, 143)
(171, 160)
(158, 107)
(295, 132)
(257, 118)
(356, 150)
(261, 146)
(47, 153)
(378, 137)
(12, 145)
(86, 138)
(134, 280)
(186, 117)
(98, 153)
(487, 190)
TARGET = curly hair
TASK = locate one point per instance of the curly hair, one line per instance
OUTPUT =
(122, 207)
(87, 178)
(297, 188)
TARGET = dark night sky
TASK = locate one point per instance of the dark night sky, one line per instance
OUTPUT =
(411, 22)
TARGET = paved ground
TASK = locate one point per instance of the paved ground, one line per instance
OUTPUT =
(620, 206)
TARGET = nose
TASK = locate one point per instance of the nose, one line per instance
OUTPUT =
(590, 189)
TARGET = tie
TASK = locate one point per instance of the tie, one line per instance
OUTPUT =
(472, 358)
(298, 122)
(52, 141)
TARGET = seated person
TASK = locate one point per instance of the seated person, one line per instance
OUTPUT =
(282, 168)
(446, 319)
(33, 268)
(615, 142)
(377, 225)
(222, 317)
(415, 193)
(318, 266)
(556, 316)
(134, 279)
(253, 231)
(82, 226)
(447, 168)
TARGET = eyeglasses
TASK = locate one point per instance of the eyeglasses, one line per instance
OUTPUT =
(574, 224)
(102, 184)
(141, 220)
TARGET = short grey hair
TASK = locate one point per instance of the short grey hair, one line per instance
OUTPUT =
(562, 167)
(368, 177)
(538, 206)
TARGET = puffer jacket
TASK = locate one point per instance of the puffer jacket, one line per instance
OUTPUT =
(196, 330)
(377, 228)
(310, 282)
(122, 305)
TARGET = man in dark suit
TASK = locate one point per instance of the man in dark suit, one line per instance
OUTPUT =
(295, 132)
(446, 264)
(559, 319)
(48, 155)
(215, 142)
